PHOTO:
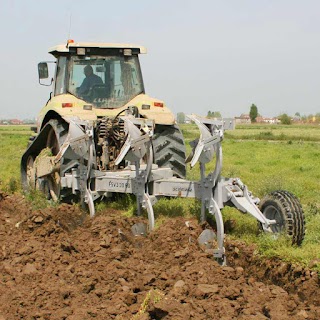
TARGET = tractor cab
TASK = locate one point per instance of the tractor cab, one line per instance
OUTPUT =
(105, 75)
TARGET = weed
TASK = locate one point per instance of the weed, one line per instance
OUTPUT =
(153, 296)
(38, 200)
(313, 209)
(116, 201)
(266, 135)
(13, 185)
(174, 207)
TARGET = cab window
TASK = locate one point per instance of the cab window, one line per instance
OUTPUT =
(60, 85)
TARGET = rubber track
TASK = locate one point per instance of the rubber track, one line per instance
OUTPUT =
(169, 149)
(294, 216)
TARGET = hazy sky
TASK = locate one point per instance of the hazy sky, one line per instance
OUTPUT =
(202, 55)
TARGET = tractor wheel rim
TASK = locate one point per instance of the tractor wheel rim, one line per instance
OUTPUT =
(272, 213)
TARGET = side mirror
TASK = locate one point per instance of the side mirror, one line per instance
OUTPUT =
(43, 70)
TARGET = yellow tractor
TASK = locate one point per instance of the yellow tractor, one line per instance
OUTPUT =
(100, 134)
(97, 82)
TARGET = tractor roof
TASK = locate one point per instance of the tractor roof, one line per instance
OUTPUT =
(64, 48)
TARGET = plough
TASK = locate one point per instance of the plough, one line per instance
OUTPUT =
(144, 179)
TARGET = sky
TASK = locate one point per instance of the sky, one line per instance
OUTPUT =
(217, 55)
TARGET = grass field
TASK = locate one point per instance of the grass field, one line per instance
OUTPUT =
(265, 157)
(13, 142)
(276, 132)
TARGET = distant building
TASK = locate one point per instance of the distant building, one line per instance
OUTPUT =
(267, 120)
(15, 121)
(244, 118)
(297, 119)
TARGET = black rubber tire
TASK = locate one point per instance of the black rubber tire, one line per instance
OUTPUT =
(169, 149)
(286, 209)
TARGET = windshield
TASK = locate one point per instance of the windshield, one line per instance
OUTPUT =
(106, 82)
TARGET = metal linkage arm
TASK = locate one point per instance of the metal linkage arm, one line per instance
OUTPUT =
(232, 191)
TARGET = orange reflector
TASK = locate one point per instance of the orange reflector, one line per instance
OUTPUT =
(67, 105)
(158, 104)
(70, 41)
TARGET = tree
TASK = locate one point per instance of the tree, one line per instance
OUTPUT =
(285, 119)
(214, 114)
(310, 117)
(181, 118)
(217, 114)
(297, 114)
(253, 113)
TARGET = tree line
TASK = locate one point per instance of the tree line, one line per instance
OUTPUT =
(284, 118)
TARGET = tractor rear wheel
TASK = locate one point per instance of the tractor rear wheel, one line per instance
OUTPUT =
(286, 209)
(169, 149)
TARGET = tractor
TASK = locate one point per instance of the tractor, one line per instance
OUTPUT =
(100, 134)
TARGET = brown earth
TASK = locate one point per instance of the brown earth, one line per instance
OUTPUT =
(56, 263)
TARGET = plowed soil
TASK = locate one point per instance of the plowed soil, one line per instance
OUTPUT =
(57, 263)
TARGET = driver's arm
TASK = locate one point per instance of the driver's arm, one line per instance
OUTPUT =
(84, 88)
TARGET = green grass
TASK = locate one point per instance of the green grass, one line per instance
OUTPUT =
(276, 132)
(13, 142)
(267, 163)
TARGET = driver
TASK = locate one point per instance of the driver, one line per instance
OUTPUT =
(89, 81)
